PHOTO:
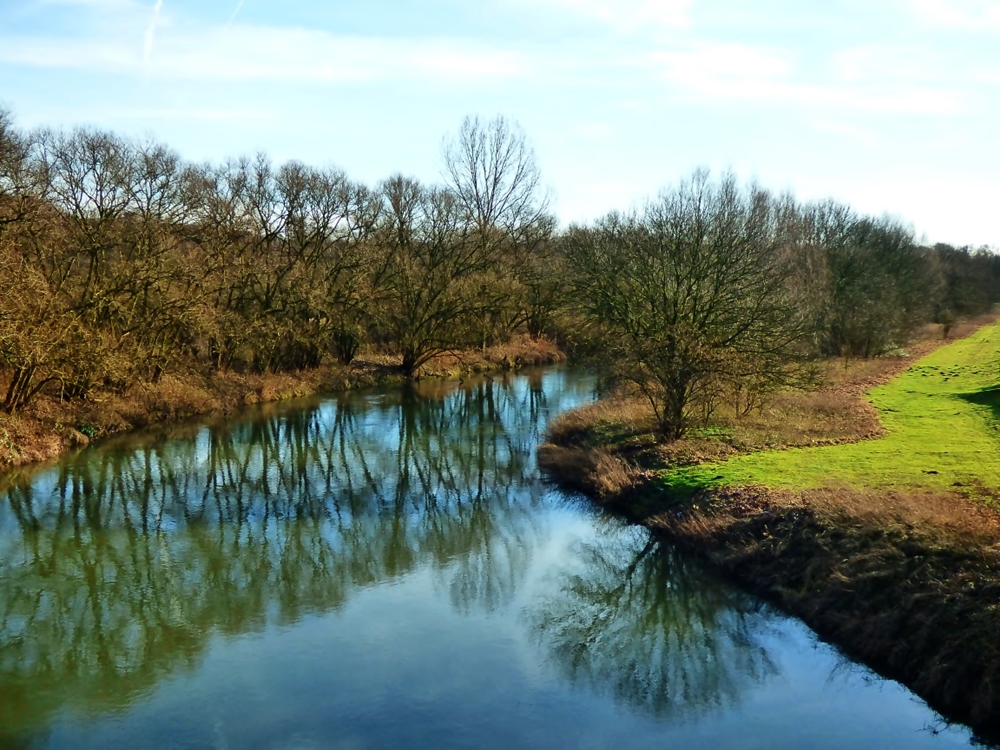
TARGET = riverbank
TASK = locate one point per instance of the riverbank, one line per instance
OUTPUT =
(49, 427)
(872, 519)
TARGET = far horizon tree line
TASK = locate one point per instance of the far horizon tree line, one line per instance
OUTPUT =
(120, 262)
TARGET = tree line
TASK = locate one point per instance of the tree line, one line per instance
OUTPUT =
(119, 261)
(716, 291)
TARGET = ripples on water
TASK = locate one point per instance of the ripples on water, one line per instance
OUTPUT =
(388, 569)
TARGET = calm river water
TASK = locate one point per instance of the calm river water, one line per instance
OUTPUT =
(388, 569)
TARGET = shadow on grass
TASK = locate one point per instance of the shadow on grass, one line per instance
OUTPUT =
(679, 486)
(988, 397)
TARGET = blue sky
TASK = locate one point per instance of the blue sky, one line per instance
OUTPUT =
(890, 105)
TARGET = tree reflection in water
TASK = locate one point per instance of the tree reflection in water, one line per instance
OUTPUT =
(120, 564)
(641, 622)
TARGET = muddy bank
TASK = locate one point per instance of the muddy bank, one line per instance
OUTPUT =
(908, 584)
(49, 426)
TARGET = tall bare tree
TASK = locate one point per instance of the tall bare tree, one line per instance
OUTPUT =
(492, 170)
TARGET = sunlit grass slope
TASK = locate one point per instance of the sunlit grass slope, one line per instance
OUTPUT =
(942, 430)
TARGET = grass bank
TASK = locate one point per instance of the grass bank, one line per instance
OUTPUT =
(49, 426)
(941, 430)
(867, 508)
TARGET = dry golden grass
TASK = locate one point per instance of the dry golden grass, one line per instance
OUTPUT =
(521, 351)
(597, 473)
(941, 519)
(586, 423)
(950, 518)
(48, 426)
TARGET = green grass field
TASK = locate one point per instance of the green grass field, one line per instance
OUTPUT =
(942, 422)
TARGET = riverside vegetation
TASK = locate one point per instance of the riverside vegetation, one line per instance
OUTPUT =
(867, 506)
(137, 288)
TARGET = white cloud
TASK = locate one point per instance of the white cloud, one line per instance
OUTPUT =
(68, 55)
(300, 55)
(967, 15)
(706, 65)
(891, 63)
(725, 73)
(186, 114)
(256, 53)
(864, 136)
(100, 5)
(626, 15)
(593, 131)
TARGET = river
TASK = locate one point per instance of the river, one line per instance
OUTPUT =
(387, 568)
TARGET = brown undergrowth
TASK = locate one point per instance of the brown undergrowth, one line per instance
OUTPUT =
(48, 426)
(523, 351)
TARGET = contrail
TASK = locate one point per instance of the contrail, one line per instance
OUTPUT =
(239, 7)
(147, 52)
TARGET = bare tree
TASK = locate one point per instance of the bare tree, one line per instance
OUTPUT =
(867, 284)
(18, 182)
(691, 295)
(288, 249)
(492, 170)
(436, 282)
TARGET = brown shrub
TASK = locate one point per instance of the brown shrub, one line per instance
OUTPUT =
(596, 473)
(582, 424)
(521, 351)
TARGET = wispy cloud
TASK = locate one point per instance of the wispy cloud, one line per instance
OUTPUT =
(890, 63)
(150, 37)
(727, 73)
(236, 12)
(864, 136)
(186, 114)
(100, 5)
(40, 52)
(711, 65)
(303, 56)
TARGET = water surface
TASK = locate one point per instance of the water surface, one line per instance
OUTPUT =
(387, 569)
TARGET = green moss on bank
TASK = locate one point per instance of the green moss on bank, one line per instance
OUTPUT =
(942, 431)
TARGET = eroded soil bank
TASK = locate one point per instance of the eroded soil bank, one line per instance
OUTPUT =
(49, 426)
(906, 580)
